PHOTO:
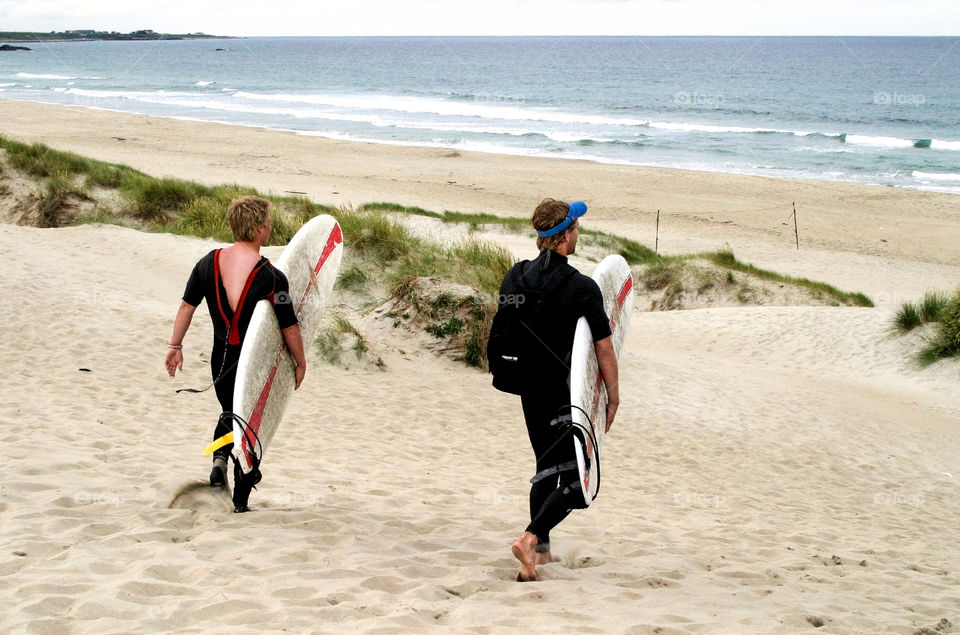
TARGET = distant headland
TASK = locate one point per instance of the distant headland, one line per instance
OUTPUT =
(83, 35)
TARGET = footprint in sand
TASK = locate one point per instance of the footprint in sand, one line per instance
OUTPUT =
(583, 562)
(199, 496)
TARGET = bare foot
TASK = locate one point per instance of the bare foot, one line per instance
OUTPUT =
(524, 550)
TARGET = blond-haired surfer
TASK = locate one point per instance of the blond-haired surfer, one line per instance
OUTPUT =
(232, 281)
(566, 295)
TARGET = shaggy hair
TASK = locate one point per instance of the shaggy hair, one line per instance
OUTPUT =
(549, 214)
(246, 216)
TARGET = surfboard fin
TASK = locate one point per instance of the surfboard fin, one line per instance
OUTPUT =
(219, 443)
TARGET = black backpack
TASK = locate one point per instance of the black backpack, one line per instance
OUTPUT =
(515, 353)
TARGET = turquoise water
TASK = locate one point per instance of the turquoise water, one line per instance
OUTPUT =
(871, 110)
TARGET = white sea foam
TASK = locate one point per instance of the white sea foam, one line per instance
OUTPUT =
(195, 101)
(50, 76)
(327, 110)
(127, 94)
(829, 135)
(885, 142)
(472, 128)
(696, 127)
(713, 128)
(203, 83)
(421, 105)
(945, 145)
(934, 176)
(574, 137)
(41, 76)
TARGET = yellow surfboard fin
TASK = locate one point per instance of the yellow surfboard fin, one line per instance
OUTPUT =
(219, 443)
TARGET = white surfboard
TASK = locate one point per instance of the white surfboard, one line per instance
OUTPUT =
(265, 372)
(588, 395)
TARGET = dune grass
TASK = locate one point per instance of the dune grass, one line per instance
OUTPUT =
(907, 318)
(945, 342)
(632, 251)
(726, 260)
(940, 310)
(53, 198)
(42, 161)
(383, 251)
(353, 277)
(912, 315)
(399, 209)
(328, 340)
(933, 305)
(189, 208)
(462, 319)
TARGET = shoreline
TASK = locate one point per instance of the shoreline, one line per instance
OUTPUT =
(503, 152)
(701, 210)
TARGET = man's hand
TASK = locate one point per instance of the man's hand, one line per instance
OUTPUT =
(173, 361)
(611, 413)
(607, 361)
(300, 372)
(174, 357)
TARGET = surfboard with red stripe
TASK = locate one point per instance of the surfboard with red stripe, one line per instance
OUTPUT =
(265, 372)
(587, 391)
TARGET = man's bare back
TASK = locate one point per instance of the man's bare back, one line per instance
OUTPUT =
(236, 263)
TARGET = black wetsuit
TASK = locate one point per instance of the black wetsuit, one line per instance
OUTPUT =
(554, 497)
(230, 327)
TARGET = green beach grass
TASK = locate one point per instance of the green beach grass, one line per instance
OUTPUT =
(384, 254)
(910, 315)
(939, 310)
(726, 260)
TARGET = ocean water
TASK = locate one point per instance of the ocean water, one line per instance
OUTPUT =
(870, 110)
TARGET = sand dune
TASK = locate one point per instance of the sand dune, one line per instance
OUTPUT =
(773, 469)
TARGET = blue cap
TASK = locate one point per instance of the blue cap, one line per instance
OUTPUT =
(574, 211)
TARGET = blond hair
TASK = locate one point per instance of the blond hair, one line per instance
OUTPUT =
(246, 216)
(549, 214)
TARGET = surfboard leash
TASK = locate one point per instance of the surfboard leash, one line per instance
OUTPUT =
(569, 424)
(253, 441)
(222, 373)
(592, 435)
(215, 382)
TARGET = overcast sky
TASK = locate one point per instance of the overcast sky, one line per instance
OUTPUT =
(490, 17)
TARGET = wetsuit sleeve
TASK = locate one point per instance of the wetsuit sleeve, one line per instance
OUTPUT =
(596, 316)
(282, 302)
(193, 294)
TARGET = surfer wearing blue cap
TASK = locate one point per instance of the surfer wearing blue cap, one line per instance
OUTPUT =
(232, 281)
(561, 295)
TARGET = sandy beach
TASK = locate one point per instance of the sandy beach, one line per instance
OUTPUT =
(772, 469)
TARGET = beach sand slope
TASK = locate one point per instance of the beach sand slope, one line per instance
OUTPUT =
(772, 469)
